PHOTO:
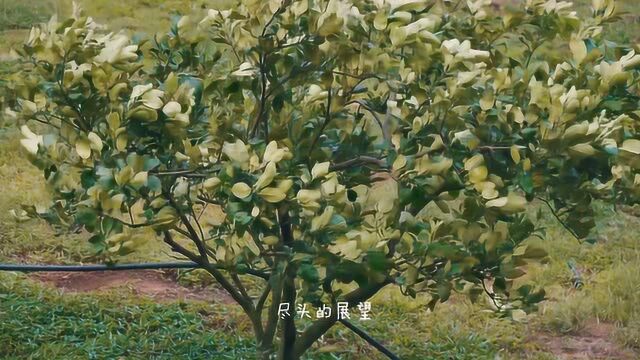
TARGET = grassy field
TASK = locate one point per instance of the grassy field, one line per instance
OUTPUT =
(38, 321)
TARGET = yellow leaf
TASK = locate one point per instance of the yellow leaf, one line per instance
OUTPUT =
(270, 240)
(236, 152)
(582, 150)
(575, 131)
(319, 222)
(251, 244)
(143, 113)
(158, 203)
(329, 24)
(509, 204)
(96, 142)
(171, 109)
(241, 190)
(478, 174)
(397, 35)
(121, 139)
(467, 138)
(319, 170)
(380, 21)
(165, 217)
(140, 179)
(31, 145)
(399, 163)
(211, 183)
(515, 153)
(83, 148)
(272, 194)
(487, 100)
(632, 146)
(285, 185)
(428, 166)
(472, 162)
(275, 154)
(489, 193)
(578, 49)
(267, 176)
(309, 198)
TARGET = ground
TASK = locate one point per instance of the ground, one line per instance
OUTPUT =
(594, 341)
(156, 284)
(179, 314)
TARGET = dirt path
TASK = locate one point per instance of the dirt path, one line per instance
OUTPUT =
(156, 284)
(594, 341)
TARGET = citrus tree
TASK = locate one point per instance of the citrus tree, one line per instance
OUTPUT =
(331, 148)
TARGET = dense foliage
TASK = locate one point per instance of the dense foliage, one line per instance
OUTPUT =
(331, 148)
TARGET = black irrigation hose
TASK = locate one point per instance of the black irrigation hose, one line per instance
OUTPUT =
(373, 342)
(167, 265)
(86, 268)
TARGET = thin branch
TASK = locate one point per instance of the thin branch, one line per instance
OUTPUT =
(491, 295)
(557, 216)
(131, 225)
(81, 119)
(280, 10)
(168, 238)
(264, 94)
(272, 320)
(194, 257)
(327, 119)
(263, 298)
(239, 285)
(360, 77)
(188, 173)
(373, 113)
(207, 200)
(360, 160)
(46, 122)
(181, 232)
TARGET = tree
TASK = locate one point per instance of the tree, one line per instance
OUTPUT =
(345, 145)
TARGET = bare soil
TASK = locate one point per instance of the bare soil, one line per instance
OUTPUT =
(155, 284)
(594, 341)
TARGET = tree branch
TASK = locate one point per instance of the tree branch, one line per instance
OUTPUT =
(272, 320)
(327, 119)
(360, 160)
(373, 113)
(319, 327)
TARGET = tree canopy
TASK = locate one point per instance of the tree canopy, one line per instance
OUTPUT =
(331, 148)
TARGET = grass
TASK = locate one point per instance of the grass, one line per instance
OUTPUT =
(20, 14)
(37, 322)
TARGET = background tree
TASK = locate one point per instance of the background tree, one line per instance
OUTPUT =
(331, 148)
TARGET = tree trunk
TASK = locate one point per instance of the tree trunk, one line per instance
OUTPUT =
(288, 291)
(288, 324)
(265, 351)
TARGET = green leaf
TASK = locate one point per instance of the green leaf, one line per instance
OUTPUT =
(308, 272)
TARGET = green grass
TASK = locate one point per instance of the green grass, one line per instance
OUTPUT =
(20, 14)
(37, 323)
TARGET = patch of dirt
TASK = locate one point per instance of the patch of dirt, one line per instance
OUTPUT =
(594, 341)
(150, 283)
